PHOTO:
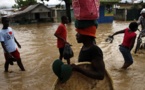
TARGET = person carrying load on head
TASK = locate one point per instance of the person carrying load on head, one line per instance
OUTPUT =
(90, 52)
(86, 13)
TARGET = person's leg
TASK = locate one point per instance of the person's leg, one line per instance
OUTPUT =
(61, 53)
(126, 65)
(127, 57)
(19, 62)
(6, 65)
(68, 61)
(16, 55)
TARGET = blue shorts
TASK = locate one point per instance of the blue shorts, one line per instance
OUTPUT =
(126, 54)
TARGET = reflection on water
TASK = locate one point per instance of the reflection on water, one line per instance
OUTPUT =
(39, 51)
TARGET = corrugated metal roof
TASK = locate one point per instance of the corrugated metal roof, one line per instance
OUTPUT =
(28, 9)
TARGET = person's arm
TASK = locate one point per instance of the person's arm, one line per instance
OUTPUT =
(111, 37)
(139, 20)
(6, 51)
(98, 66)
(17, 42)
(118, 32)
(57, 35)
(58, 32)
(4, 47)
(132, 43)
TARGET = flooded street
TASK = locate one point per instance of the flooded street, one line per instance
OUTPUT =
(39, 51)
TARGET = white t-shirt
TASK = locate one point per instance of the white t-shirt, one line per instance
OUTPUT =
(7, 36)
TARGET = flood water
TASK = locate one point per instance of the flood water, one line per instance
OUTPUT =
(39, 51)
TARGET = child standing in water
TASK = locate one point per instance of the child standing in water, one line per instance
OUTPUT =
(8, 42)
(61, 35)
(128, 43)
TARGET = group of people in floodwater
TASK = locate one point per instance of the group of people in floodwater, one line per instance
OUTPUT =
(89, 52)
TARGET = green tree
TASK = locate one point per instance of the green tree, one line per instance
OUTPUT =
(44, 0)
(24, 3)
(68, 4)
(15, 6)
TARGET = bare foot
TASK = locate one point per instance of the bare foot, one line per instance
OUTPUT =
(8, 71)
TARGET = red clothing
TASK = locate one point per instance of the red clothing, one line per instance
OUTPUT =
(15, 54)
(62, 32)
(128, 36)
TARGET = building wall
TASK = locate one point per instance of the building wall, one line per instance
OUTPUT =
(127, 14)
(104, 19)
(40, 13)
(120, 14)
(44, 15)
(40, 9)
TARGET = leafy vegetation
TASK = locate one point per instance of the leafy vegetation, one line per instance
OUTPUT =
(24, 3)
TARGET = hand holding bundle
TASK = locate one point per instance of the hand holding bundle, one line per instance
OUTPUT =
(110, 39)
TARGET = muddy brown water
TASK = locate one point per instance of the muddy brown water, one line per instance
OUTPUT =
(39, 51)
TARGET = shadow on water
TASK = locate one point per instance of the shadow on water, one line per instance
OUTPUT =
(39, 51)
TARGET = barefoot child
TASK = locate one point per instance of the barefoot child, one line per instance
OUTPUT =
(128, 43)
(8, 42)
